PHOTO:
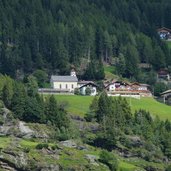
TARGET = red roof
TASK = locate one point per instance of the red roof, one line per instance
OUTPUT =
(164, 29)
(163, 72)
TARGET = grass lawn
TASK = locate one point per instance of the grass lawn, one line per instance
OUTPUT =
(110, 72)
(79, 105)
(110, 69)
(168, 43)
(151, 105)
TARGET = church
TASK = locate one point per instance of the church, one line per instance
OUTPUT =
(64, 83)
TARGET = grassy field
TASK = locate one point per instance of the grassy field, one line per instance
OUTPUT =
(110, 69)
(4, 141)
(110, 72)
(169, 44)
(79, 105)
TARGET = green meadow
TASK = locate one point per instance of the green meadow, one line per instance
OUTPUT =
(79, 105)
(110, 72)
(168, 43)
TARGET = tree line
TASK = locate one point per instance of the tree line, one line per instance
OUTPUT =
(55, 35)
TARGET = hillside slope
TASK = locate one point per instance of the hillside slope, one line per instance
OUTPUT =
(79, 105)
(57, 35)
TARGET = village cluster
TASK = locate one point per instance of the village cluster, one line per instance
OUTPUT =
(68, 85)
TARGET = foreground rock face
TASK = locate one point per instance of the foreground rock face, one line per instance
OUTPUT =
(25, 130)
(51, 168)
(92, 159)
(69, 143)
(16, 158)
(11, 126)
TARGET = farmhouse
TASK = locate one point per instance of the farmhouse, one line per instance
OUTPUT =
(64, 83)
(164, 33)
(83, 82)
(91, 86)
(166, 94)
(117, 85)
(163, 74)
(117, 88)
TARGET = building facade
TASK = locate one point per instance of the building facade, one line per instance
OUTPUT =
(91, 86)
(64, 83)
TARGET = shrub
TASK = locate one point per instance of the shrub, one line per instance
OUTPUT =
(41, 146)
(1, 104)
(77, 91)
(54, 147)
(89, 116)
(168, 168)
(88, 91)
(26, 150)
(109, 159)
(159, 88)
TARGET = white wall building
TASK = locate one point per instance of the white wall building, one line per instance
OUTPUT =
(64, 83)
(92, 86)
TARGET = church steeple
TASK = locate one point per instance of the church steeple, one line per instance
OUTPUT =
(73, 73)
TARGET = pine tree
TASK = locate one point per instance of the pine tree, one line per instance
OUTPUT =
(103, 107)
(57, 117)
(19, 101)
(7, 92)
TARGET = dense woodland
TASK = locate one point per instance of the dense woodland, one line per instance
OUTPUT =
(57, 35)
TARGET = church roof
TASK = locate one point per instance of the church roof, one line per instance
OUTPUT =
(64, 78)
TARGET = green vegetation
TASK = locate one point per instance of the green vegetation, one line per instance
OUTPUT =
(4, 141)
(110, 69)
(154, 107)
(75, 104)
(28, 144)
(71, 157)
(79, 105)
(123, 166)
(82, 34)
(168, 43)
(39, 38)
(140, 134)
(109, 159)
(110, 72)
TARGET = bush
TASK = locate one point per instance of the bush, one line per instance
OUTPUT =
(54, 147)
(168, 168)
(77, 91)
(88, 91)
(26, 150)
(1, 104)
(41, 146)
(159, 88)
(109, 159)
(89, 116)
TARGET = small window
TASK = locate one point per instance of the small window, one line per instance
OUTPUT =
(60, 86)
(72, 85)
(66, 86)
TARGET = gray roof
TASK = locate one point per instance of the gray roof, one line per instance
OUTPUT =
(166, 92)
(64, 78)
